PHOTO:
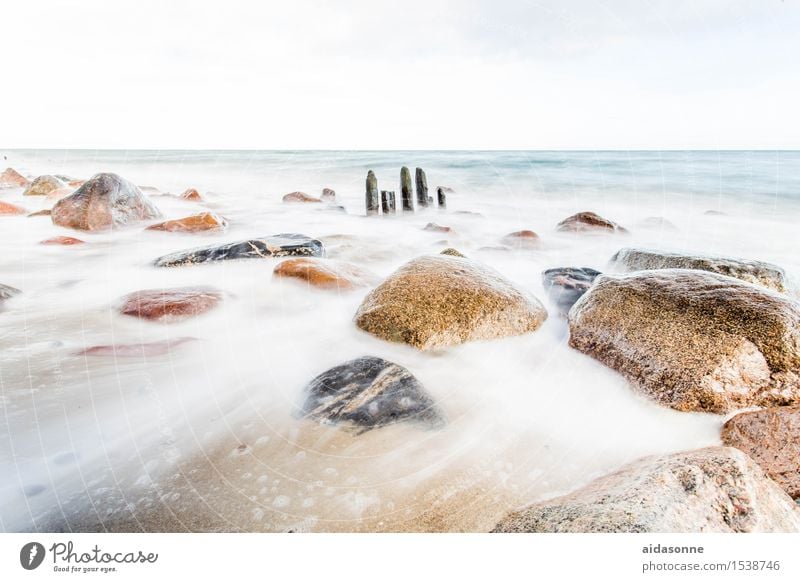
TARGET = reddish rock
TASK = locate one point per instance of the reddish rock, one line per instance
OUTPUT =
(197, 223)
(136, 350)
(169, 305)
(10, 178)
(522, 239)
(433, 227)
(76, 183)
(328, 195)
(326, 274)
(62, 240)
(105, 201)
(300, 197)
(43, 185)
(589, 222)
(772, 438)
(8, 208)
(45, 212)
(60, 193)
(192, 194)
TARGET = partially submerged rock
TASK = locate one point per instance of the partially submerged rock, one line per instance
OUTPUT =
(433, 227)
(62, 240)
(565, 285)
(300, 197)
(772, 438)
(11, 209)
(104, 201)
(757, 272)
(43, 185)
(170, 305)
(522, 239)
(143, 350)
(192, 195)
(440, 300)
(584, 222)
(717, 489)
(7, 292)
(204, 221)
(278, 245)
(325, 273)
(328, 195)
(10, 178)
(450, 251)
(367, 393)
(693, 340)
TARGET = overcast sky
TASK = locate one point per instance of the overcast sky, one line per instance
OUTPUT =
(411, 74)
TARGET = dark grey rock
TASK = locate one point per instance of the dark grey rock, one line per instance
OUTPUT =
(279, 245)
(565, 285)
(6, 292)
(367, 393)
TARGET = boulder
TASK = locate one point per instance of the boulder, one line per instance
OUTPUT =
(716, 489)
(104, 201)
(10, 178)
(43, 185)
(59, 193)
(437, 301)
(196, 223)
(758, 272)
(589, 222)
(565, 285)
(279, 245)
(772, 438)
(328, 195)
(367, 393)
(300, 197)
(450, 251)
(62, 240)
(325, 273)
(521, 239)
(192, 195)
(170, 305)
(433, 227)
(11, 209)
(693, 340)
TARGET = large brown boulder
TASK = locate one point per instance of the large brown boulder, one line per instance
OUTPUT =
(170, 305)
(325, 273)
(10, 178)
(717, 489)
(43, 185)
(441, 300)
(758, 272)
(693, 340)
(772, 438)
(105, 201)
(585, 222)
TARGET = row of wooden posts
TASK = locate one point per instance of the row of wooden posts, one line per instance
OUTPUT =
(387, 202)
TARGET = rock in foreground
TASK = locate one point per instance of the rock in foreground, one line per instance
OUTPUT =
(441, 300)
(717, 489)
(584, 222)
(367, 393)
(693, 340)
(43, 185)
(756, 272)
(102, 202)
(772, 438)
(279, 245)
(325, 273)
(202, 222)
(170, 305)
(565, 285)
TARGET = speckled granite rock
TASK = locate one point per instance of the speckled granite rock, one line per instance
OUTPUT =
(170, 305)
(102, 202)
(43, 185)
(772, 438)
(589, 222)
(565, 285)
(325, 273)
(278, 245)
(452, 252)
(758, 272)
(10, 178)
(441, 300)
(717, 489)
(369, 392)
(693, 340)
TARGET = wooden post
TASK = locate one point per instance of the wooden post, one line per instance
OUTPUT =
(442, 198)
(388, 202)
(406, 191)
(372, 194)
(422, 188)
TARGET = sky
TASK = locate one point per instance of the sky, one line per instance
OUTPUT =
(411, 74)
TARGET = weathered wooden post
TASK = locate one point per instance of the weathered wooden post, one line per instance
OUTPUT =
(388, 202)
(422, 188)
(372, 194)
(441, 196)
(406, 191)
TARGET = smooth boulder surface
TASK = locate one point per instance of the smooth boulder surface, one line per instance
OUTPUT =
(367, 393)
(565, 285)
(441, 300)
(170, 305)
(758, 272)
(279, 245)
(43, 185)
(522, 239)
(325, 273)
(716, 489)
(104, 201)
(433, 227)
(204, 221)
(693, 340)
(587, 222)
(10, 178)
(772, 438)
